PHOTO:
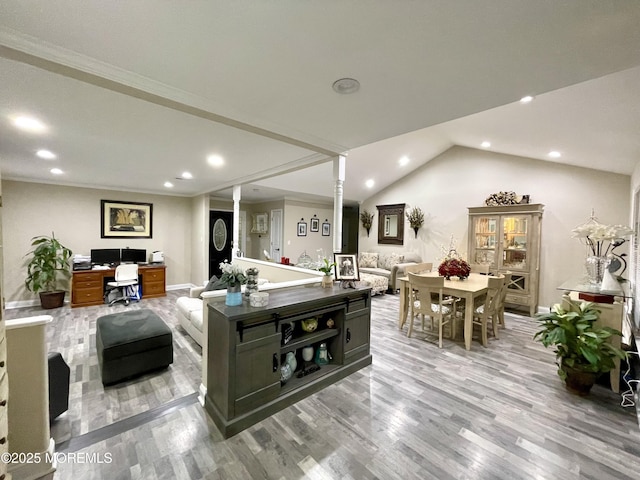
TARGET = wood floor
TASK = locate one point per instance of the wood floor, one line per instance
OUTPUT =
(418, 412)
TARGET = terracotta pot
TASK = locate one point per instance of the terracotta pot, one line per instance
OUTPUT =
(50, 300)
(579, 382)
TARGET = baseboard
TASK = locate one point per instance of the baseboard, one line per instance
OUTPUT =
(202, 393)
(180, 286)
(35, 302)
(42, 469)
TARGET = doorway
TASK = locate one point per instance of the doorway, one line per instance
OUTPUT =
(220, 240)
(276, 235)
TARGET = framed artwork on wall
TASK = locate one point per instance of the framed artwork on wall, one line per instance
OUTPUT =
(126, 219)
(326, 229)
(315, 224)
(302, 229)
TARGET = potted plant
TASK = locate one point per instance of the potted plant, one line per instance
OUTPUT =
(327, 269)
(416, 219)
(583, 349)
(49, 263)
(233, 276)
(366, 218)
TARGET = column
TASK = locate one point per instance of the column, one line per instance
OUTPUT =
(235, 246)
(338, 192)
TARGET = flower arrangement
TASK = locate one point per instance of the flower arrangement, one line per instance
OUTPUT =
(601, 239)
(452, 264)
(415, 216)
(366, 218)
(232, 274)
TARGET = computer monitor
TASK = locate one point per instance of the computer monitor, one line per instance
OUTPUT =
(133, 255)
(102, 256)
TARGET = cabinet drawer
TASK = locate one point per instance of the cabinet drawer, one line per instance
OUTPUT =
(153, 275)
(87, 277)
(517, 299)
(87, 284)
(152, 288)
(86, 295)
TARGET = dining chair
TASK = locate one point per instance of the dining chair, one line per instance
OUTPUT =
(488, 309)
(503, 296)
(418, 268)
(443, 311)
(480, 268)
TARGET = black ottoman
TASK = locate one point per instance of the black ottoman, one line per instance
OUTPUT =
(131, 343)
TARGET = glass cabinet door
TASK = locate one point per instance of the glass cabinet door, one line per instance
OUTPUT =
(486, 240)
(514, 243)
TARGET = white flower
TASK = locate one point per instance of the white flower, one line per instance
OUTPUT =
(596, 234)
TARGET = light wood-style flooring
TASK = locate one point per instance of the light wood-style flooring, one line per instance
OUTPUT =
(418, 412)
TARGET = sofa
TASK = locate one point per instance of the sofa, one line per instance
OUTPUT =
(389, 265)
(190, 310)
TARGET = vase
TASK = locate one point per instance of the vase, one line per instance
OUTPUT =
(415, 229)
(252, 281)
(234, 296)
(290, 360)
(595, 266)
(307, 353)
(327, 281)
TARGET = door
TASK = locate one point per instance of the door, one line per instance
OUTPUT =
(276, 235)
(220, 239)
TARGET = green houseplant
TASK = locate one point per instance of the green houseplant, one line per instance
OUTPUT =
(327, 269)
(583, 349)
(49, 263)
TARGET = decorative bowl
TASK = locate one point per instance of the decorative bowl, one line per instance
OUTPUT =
(259, 299)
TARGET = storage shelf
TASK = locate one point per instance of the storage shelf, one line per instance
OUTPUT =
(309, 338)
(295, 382)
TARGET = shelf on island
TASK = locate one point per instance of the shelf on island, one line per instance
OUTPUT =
(295, 382)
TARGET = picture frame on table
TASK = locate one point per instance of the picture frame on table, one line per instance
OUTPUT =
(302, 229)
(346, 266)
(126, 219)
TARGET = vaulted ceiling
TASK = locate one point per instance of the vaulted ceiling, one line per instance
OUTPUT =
(133, 94)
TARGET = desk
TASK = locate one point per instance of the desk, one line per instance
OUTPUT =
(470, 289)
(87, 286)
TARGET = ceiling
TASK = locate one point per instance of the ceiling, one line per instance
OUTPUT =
(135, 93)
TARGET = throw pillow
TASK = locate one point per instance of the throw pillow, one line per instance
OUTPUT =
(214, 284)
(368, 260)
(388, 261)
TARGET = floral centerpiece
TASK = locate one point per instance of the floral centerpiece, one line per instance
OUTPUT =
(366, 218)
(415, 216)
(601, 241)
(453, 265)
(232, 275)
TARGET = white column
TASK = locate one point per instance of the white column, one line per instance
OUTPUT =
(235, 246)
(338, 192)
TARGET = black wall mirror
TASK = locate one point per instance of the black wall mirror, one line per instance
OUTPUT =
(391, 224)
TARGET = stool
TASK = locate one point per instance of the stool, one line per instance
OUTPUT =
(130, 343)
(378, 283)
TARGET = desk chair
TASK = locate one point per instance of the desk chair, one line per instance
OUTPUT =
(126, 276)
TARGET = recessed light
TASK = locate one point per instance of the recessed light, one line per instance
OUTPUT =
(346, 85)
(215, 160)
(168, 184)
(526, 99)
(46, 154)
(370, 183)
(485, 144)
(403, 161)
(56, 171)
(187, 175)
(29, 124)
(555, 154)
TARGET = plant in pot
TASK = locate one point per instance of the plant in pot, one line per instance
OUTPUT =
(583, 349)
(49, 264)
(327, 269)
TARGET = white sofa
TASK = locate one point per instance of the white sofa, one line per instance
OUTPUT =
(389, 265)
(273, 276)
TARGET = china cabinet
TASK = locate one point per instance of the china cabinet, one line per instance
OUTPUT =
(507, 238)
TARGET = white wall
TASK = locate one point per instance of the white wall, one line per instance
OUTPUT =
(294, 246)
(463, 177)
(32, 209)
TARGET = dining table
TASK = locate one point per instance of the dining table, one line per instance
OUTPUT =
(469, 289)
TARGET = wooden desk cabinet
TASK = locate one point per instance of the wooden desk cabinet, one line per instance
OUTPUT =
(248, 345)
(87, 286)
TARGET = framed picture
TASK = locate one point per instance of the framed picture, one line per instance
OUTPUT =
(315, 224)
(346, 266)
(126, 219)
(326, 229)
(302, 229)
(260, 223)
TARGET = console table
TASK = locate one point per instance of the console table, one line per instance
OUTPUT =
(248, 345)
(88, 286)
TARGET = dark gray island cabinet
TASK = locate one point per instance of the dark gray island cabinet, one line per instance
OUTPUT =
(249, 345)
